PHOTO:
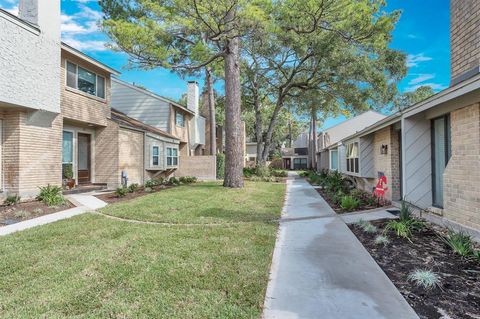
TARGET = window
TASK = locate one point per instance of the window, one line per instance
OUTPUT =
(352, 158)
(85, 80)
(179, 119)
(172, 156)
(155, 155)
(67, 147)
(334, 160)
(441, 151)
(299, 163)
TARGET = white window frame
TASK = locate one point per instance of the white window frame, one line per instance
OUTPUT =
(76, 81)
(331, 161)
(355, 167)
(172, 157)
(153, 155)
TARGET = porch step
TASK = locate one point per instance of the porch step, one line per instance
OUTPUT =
(85, 189)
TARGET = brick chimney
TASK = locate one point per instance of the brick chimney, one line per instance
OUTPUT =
(193, 97)
(43, 13)
(464, 39)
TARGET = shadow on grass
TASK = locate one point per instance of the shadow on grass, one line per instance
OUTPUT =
(222, 215)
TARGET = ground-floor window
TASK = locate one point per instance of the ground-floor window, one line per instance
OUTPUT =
(352, 158)
(172, 156)
(155, 155)
(441, 153)
(67, 154)
(334, 159)
(299, 163)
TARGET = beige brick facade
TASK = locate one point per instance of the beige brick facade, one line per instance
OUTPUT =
(464, 36)
(31, 152)
(462, 174)
(131, 153)
(79, 106)
(106, 155)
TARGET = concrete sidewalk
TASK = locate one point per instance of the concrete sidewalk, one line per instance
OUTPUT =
(321, 270)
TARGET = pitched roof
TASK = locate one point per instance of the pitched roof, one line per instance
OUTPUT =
(127, 121)
(87, 58)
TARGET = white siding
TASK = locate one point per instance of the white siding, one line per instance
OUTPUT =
(140, 105)
(417, 162)
(366, 156)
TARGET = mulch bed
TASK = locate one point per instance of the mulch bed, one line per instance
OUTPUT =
(340, 210)
(112, 198)
(27, 210)
(459, 293)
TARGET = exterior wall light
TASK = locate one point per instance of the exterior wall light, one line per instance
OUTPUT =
(384, 149)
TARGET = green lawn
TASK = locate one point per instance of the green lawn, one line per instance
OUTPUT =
(91, 266)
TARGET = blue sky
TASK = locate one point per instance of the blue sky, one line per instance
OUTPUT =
(422, 33)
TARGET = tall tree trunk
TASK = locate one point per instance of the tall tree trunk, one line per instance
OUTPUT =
(233, 132)
(289, 127)
(314, 139)
(211, 109)
(258, 129)
(309, 145)
(271, 126)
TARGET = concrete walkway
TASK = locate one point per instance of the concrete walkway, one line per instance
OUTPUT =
(84, 203)
(321, 270)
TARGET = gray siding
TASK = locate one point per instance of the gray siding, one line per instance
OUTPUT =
(367, 156)
(140, 105)
(342, 165)
(417, 165)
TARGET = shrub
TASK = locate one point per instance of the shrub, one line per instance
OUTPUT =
(276, 163)
(279, 173)
(349, 203)
(248, 172)
(476, 255)
(121, 192)
(220, 166)
(360, 223)
(132, 188)
(459, 242)
(148, 189)
(22, 214)
(154, 182)
(51, 195)
(405, 226)
(262, 171)
(68, 171)
(424, 278)
(382, 240)
(366, 226)
(12, 200)
(188, 179)
(173, 181)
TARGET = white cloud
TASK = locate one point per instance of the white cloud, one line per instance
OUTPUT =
(13, 10)
(434, 86)
(415, 59)
(86, 45)
(421, 78)
(412, 36)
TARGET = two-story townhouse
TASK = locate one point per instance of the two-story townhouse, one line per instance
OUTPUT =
(183, 122)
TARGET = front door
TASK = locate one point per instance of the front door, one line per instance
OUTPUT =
(84, 170)
(287, 163)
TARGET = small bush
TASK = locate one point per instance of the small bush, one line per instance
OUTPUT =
(366, 226)
(262, 171)
(279, 173)
(51, 195)
(12, 200)
(22, 214)
(382, 240)
(459, 242)
(220, 166)
(349, 203)
(188, 179)
(248, 172)
(148, 189)
(121, 192)
(404, 228)
(476, 255)
(424, 278)
(361, 223)
(154, 182)
(132, 188)
(173, 181)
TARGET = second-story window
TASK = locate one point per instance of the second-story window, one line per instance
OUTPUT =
(85, 80)
(179, 119)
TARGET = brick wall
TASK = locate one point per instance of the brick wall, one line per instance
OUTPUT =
(131, 154)
(31, 152)
(464, 36)
(462, 174)
(80, 106)
(106, 155)
(202, 167)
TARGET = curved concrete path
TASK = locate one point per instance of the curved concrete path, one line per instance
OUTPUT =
(321, 270)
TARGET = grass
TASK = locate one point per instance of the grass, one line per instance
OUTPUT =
(91, 266)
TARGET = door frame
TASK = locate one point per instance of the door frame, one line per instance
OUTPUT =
(89, 159)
